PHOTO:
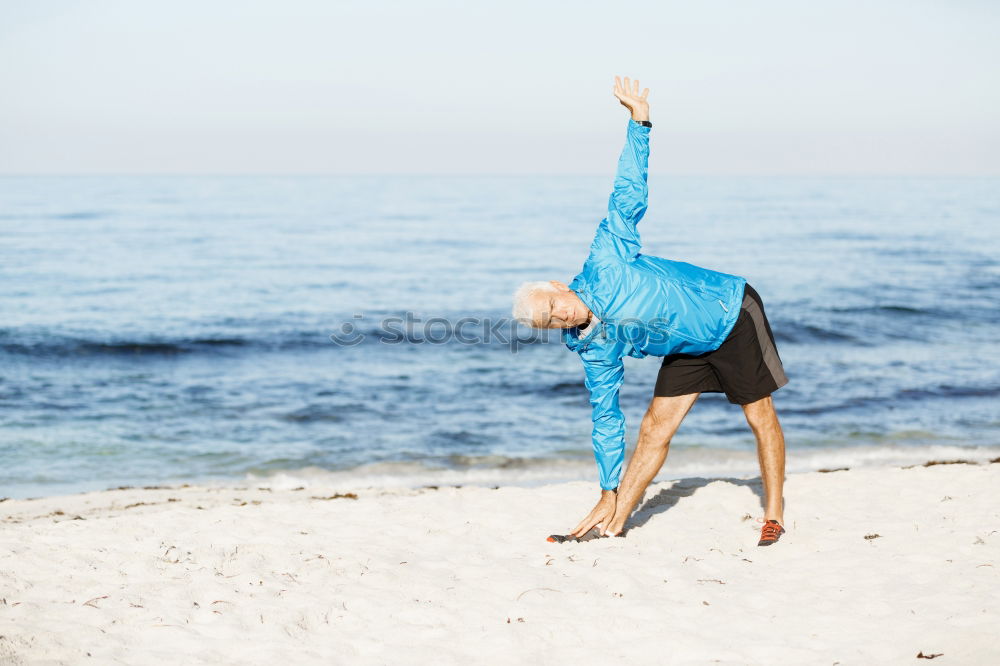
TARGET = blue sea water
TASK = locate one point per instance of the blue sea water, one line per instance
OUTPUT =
(164, 329)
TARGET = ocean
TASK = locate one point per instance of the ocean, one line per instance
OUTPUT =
(282, 330)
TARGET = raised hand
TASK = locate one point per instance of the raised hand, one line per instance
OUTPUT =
(627, 93)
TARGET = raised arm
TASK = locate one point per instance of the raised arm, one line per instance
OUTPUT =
(618, 232)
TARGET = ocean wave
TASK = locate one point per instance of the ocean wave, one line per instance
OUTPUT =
(942, 391)
(947, 391)
(320, 413)
(67, 346)
(685, 462)
(856, 326)
(791, 332)
(44, 344)
(869, 325)
(61, 347)
(65, 215)
(891, 310)
(82, 215)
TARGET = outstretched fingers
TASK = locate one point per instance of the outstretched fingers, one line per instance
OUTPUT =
(585, 525)
(628, 90)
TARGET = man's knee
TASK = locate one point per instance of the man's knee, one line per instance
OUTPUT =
(654, 430)
(662, 418)
(760, 413)
(654, 417)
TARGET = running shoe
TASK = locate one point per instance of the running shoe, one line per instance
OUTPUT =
(770, 533)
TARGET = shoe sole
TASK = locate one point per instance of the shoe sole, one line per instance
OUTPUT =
(768, 542)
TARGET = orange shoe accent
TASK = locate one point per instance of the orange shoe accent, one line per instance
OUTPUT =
(770, 533)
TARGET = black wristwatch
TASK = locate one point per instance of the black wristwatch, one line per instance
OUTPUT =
(644, 123)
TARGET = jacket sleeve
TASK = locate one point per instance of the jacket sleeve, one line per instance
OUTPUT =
(603, 377)
(618, 233)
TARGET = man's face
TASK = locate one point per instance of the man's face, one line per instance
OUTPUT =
(560, 309)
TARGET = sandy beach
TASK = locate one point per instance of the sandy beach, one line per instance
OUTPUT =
(877, 566)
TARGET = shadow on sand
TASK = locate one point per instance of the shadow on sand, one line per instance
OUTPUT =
(667, 498)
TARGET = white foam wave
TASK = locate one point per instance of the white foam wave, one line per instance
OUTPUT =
(681, 463)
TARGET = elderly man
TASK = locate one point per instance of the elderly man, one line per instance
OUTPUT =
(709, 327)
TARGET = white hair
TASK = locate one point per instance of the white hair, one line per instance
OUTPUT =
(522, 311)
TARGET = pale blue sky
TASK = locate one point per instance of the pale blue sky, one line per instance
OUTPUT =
(304, 86)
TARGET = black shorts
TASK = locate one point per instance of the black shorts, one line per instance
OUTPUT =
(746, 367)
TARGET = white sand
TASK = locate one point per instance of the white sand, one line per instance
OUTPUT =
(243, 576)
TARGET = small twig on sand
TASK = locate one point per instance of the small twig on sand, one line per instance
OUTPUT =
(90, 602)
(535, 589)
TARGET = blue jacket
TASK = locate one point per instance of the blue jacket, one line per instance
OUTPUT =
(647, 305)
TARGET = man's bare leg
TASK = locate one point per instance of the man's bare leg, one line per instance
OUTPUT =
(661, 421)
(770, 453)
